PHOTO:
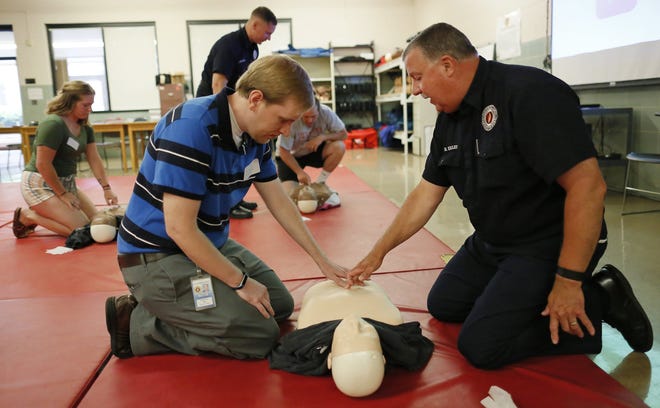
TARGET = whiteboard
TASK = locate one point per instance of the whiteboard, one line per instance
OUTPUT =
(203, 34)
(132, 65)
(201, 37)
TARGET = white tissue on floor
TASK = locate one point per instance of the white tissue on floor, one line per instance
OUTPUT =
(498, 398)
(59, 250)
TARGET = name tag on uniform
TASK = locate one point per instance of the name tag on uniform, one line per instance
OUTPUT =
(73, 143)
(202, 290)
(252, 169)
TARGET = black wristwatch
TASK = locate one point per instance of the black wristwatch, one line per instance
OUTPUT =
(242, 284)
(572, 275)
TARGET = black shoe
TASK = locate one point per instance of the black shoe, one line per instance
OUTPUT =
(625, 313)
(248, 205)
(118, 321)
(239, 213)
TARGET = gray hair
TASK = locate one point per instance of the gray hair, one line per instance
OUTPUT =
(442, 39)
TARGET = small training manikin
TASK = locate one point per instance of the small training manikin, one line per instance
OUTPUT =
(356, 359)
(103, 227)
(310, 197)
(305, 198)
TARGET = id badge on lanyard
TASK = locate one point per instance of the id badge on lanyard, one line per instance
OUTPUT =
(202, 290)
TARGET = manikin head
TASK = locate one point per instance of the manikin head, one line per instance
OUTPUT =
(306, 199)
(356, 359)
(103, 227)
(310, 197)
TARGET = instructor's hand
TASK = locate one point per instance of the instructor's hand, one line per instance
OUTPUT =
(566, 309)
(363, 270)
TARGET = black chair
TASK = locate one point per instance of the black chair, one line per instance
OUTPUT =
(103, 143)
(107, 142)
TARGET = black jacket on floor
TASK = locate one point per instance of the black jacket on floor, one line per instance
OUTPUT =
(306, 351)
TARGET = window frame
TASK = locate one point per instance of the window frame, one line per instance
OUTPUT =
(108, 80)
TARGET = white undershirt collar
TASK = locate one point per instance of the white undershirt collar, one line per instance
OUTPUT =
(236, 131)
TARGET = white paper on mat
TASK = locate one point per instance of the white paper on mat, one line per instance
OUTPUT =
(59, 250)
(498, 398)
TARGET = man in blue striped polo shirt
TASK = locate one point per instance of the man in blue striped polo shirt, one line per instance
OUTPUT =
(193, 289)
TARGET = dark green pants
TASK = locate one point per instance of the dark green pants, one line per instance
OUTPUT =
(165, 319)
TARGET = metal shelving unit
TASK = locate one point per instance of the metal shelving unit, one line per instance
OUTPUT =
(354, 84)
(321, 70)
(388, 97)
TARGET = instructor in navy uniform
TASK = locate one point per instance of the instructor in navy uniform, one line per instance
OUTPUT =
(512, 142)
(231, 55)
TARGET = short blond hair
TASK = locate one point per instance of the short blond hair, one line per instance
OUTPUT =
(279, 78)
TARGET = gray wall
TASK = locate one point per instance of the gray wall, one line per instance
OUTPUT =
(388, 24)
(645, 101)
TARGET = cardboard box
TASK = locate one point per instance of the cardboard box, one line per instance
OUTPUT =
(170, 96)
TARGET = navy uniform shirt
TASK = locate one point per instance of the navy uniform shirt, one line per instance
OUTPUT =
(517, 129)
(230, 56)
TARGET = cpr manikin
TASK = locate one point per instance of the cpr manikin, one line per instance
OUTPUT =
(310, 198)
(356, 359)
(326, 301)
(103, 227)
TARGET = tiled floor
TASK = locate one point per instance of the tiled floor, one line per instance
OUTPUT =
(634, 242)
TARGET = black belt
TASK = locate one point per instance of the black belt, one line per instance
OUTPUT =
(128, 260)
